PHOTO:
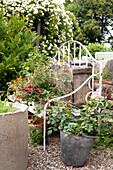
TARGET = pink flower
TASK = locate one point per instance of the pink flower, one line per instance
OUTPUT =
(29, 91)
(26, 94)
(37, 90)
(37, 95)
(95, 95)
(41, 96)
(22, 88)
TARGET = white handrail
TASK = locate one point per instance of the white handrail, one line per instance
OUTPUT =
(80, 45)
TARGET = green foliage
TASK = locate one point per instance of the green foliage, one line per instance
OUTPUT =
(16, 42)
(39, 84)
(95, 120)
(96, 47)
(56, 25)
(107, 75)
(57, 114)
(36, 134)
(4, 108)
(94, 17)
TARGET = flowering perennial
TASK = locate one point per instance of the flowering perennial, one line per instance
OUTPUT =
(56, 25)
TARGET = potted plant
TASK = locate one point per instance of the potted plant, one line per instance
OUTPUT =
(13, 136)
(77, 134)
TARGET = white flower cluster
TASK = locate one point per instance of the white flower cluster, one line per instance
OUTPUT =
(56, 25)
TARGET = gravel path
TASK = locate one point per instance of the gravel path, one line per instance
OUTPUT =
(50, 159)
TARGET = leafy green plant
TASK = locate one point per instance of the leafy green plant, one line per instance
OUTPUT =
(16, 42)
(39, 83)
(36, 134)
(56, 24)
(107, 75)
(95, 120)
(59, 113)
(4, 108)
(96, 47)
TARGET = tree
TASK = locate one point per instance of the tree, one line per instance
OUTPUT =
(50, 20)
(94, 17)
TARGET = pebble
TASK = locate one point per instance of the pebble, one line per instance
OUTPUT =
(38, 159)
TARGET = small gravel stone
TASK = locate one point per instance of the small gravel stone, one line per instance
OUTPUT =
(38, 159)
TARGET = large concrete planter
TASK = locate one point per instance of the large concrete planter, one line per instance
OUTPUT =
(14, 138)
(75, 149)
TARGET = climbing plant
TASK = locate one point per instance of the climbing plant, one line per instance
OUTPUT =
(49, 18)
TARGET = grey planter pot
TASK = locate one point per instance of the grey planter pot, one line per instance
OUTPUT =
(14, 138)
(75, 149)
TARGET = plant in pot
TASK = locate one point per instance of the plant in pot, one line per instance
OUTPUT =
(77, 134)
(13, 136)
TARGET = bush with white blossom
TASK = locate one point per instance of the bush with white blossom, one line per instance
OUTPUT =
(56, 24)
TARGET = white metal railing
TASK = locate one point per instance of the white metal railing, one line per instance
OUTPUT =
(71, 51)
(63, 59)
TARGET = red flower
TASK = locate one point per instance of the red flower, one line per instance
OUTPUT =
(14, 101)
(16, 85)
(43, 103)
(54, 85)
(19, 96)
(47, 106)
(41, 96)
(19, 101)
(37, 95)
(30, 86)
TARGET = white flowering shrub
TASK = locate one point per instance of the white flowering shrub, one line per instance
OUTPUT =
(56, 25)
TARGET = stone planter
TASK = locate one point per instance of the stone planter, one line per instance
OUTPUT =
(14, 138)
(75, 149)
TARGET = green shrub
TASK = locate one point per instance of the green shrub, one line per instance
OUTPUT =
(36, 134)
(16, 42)
(107, 75)
(96, 47)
